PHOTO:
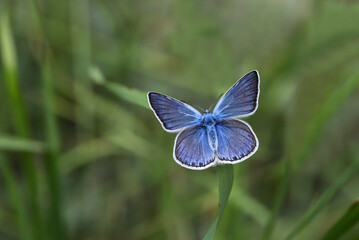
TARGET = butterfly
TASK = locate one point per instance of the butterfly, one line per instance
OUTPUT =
(210, 139)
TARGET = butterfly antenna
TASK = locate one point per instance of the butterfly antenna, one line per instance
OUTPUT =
(210, 108)
(199, 107)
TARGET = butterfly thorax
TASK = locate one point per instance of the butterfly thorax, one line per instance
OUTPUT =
(209, 123)
(207, 119)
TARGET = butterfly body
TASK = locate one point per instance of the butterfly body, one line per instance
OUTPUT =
(209, 123)
(207, 119)
(209, 139)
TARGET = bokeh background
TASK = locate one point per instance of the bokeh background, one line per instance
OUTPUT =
(83, 157)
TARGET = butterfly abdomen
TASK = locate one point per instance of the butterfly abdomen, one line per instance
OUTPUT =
(212, 137)
(209, 123)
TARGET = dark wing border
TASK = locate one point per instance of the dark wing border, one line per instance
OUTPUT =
(234, 85)
(224, 161)
(195, 111)
(212, 163)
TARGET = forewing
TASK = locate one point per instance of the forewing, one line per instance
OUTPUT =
(173, 114)
(241, 99)
(192, 149)
(236, 141)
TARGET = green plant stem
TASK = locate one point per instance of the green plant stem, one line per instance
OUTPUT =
(14, 193)
(20, 118)
(344, 224)
(225, 183)
(325, 198)
(81, 58)
(57, 229)
(133, 96)
(10, 143)
(329, 107)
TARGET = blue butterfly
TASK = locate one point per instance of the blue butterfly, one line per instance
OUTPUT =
(209, 139)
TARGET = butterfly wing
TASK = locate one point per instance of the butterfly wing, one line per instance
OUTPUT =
(236, 141)
(192, 149)
(241, 99)
(173, 114)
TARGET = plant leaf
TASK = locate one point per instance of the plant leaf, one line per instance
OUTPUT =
(133, 96)
(225, 183)
(345, 223)
(11, 143)
(325, 198)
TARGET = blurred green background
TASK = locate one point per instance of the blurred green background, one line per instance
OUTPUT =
(83, 157)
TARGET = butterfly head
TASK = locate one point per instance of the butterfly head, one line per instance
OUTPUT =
(208, 119)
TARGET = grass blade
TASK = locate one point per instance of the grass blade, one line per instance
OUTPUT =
(325, 198)
(225, 183)
(133, 96)
(10, 143)
(14, 193)
(19, 117)
(81, 58)
(344, 224)
(250, 205)
(329, 107)
(56, 225)
(212, 230)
